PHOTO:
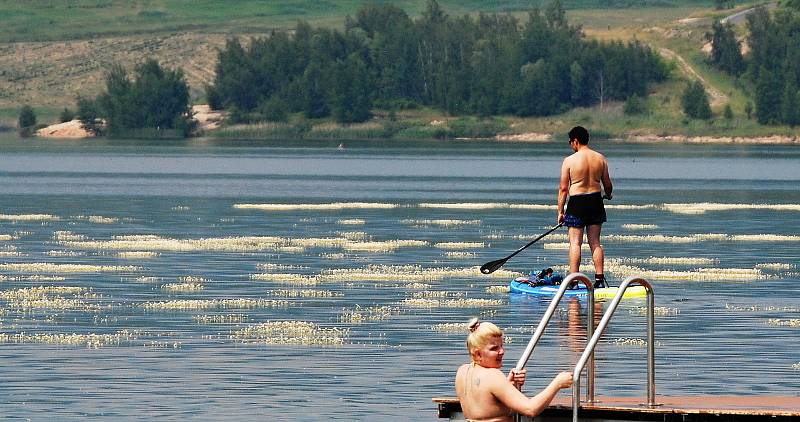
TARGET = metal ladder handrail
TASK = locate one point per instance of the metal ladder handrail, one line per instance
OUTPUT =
(589, 351)
(571, 279)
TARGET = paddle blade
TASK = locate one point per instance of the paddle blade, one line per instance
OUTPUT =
(493, 266)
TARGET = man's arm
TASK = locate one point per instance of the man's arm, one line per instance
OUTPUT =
(606, 179)
(563, 191)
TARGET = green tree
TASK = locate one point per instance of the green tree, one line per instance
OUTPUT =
(156, 98)
(274, 109)
(26, 121)
(768, 94)
(66, 115)
(27, 117)
(350, 95)
(89, 115)
(695, 101)
(635, 105)
(728, 113)
(725, 48)
(790, 104)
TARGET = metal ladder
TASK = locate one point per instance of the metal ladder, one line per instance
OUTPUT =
(588, 353)
(572, 279)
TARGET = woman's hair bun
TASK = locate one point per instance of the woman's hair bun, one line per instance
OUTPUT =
(473, 325)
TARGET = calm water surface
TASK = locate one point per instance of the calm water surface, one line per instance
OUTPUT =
(157, 328)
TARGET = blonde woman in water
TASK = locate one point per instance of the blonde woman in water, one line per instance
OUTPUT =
(488, 395)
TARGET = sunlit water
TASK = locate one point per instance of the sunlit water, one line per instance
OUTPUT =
(179, 266)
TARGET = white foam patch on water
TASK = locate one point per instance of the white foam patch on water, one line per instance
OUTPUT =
(138, 255)
(272, 266)
(66, 235)
(640, 226)
(760, 308)
(299, 333)
(351, 222)
(765, 238)
(90, 340)
(631, 342)
(459, 245)
(560, 246)
(703, 207)
(653, 238)
(6, 237)
(385, 246)
(451, 328)
(286, 278)
(460, 255)
(198, 304)
(775, 266)
(449, 303)
(221, 319)
(534, 207)
(700, 274)
(355, 236)
(64, 253)
(498, 289)
(156, 243)
(315, 207)
(304, 293)
(360, 314)
(666, 260)
(442, 222)
(466, 205)
(97, 219)
(29, 217)
(182, 287)
(629, 207)
(49, 297)
(777, 322)
(11, 254)
(46, 267)
(658, 311)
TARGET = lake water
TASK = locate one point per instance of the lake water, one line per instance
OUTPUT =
(164, 280)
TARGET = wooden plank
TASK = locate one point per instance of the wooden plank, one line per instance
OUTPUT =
(717, 405)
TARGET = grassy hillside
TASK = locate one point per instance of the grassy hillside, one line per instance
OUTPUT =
(52, 51)
(45, 20)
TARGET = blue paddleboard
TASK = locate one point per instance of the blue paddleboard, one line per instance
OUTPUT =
(519, 285)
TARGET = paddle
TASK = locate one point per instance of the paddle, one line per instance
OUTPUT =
(493, 266)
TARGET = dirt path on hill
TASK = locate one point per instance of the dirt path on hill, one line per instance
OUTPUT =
(716, 97)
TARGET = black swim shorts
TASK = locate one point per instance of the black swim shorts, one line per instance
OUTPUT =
(585, 210)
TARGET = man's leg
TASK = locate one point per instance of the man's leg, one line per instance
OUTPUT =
(598, 255)
(575, 242)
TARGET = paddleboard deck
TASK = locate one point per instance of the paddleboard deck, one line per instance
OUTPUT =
(520, 285)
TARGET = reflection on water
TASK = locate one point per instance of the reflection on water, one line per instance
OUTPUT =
(218, 281)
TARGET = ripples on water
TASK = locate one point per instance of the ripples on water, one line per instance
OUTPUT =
(234, 282)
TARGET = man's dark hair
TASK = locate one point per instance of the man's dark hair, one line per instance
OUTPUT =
(580, 133)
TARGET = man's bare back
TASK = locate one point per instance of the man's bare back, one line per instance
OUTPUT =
(586, 170)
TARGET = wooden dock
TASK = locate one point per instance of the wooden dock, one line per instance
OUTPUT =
(672, 408)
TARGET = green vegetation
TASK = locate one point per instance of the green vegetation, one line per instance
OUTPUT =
(463, 66)
(695, 101)
(154, 104)
(167, 29)
(26, 121)
(45, 20)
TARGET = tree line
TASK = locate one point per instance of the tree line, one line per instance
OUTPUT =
(771, 72)
(485, 65)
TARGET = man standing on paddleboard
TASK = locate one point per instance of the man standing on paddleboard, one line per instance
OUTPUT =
(582, 175)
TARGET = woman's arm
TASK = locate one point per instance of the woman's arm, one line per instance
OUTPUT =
(530, 406)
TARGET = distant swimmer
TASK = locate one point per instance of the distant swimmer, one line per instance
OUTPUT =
(488, 395)
(582, 175)
(341, 146)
